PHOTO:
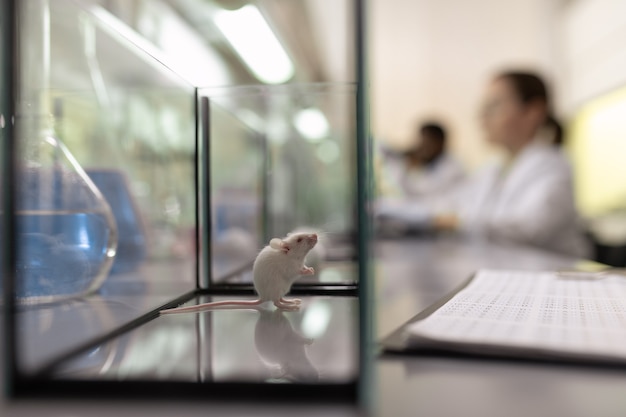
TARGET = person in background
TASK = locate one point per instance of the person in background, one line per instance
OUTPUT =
(426, 169)
(414, 181)
(528, 196)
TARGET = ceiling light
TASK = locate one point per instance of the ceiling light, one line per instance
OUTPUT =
(254, 41)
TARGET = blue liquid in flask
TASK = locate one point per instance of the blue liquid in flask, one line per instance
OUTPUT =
(66, 235)
(60, 252)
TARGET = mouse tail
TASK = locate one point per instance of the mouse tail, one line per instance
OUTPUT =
(209, 306)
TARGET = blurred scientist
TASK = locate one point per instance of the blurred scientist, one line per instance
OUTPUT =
(426, 169)
(414, 182)
(527, 197)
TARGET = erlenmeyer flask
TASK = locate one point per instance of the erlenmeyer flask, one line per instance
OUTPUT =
(66, 232)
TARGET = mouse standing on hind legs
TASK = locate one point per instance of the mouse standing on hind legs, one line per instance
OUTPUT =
(275, 269)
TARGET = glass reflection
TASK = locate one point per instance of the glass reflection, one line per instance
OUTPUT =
(282, 349)
(314, 345)
(127, 122)
(281, 161)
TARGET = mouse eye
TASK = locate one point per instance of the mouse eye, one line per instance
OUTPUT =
(299, 239)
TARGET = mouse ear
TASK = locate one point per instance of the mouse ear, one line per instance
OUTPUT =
(278, 244)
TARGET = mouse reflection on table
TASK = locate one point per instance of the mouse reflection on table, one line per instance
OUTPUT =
(283, 348)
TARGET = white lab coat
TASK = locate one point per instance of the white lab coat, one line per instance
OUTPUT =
(438, 177)
(530, 202)
(432, 180)
(414, 194)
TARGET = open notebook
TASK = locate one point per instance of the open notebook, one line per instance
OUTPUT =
(525, 314)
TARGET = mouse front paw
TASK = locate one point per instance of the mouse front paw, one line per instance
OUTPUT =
(307, 270)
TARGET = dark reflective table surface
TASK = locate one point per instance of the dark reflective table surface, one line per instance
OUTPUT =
(316, 344)
(410, 275)
(413, 274)
(46, 331)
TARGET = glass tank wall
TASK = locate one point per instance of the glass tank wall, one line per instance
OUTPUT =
(106, 200)
(282, 160)
(131, 180)
(6, 151)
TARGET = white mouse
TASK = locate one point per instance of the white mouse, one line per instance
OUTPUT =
(275, 269)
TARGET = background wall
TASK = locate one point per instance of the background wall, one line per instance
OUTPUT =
(593, 36)
(433, 58)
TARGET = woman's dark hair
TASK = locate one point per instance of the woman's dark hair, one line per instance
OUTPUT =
(435, 131)
(530, 87)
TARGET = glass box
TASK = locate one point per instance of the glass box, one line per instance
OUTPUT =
(129, 189)
(272, 174)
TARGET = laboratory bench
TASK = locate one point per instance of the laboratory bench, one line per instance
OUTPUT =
(410, 275)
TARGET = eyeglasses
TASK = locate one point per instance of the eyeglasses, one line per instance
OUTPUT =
(495, 105)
